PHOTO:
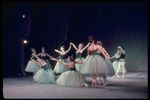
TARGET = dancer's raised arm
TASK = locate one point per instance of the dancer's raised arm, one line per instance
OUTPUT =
(68, 49)
(73, 45)
(85, 47)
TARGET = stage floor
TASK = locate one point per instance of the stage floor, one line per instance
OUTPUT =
(134, 85)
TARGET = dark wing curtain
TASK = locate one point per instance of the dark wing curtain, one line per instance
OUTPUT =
(22, 27)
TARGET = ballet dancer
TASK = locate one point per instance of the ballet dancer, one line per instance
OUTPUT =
(108, 63)
(43, 56)
(45, 74)
(32, 65)
(73, 77)
(94, 64)
(79, 51)
(59, 67)
(120, 62)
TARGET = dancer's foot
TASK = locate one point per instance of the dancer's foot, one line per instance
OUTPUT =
(86, 85)
(105, 82)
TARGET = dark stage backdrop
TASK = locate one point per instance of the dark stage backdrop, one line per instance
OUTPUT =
(53, 24)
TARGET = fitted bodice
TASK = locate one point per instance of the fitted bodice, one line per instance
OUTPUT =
(62, 56)
(73, 69)
(94, 52)
(78, 55)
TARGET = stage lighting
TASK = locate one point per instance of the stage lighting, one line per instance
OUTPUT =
(23, 16)
(25, 41)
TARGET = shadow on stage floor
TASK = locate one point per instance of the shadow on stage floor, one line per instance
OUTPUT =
(134, 85)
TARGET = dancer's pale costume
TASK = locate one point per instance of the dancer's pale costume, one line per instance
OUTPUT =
(94, 64)
(59, 67)
(109, 65)
(32, 66)
(79, 58)
(72, 78)
(116, 62)
(45, 75)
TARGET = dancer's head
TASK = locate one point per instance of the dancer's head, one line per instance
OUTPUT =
(33, 50)
(81, 45)
(99, 43)
(62, 48)
(43, 49)
(71, 58)
(90, 39)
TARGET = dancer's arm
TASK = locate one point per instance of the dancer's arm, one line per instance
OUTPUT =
(85, 47)
(122, 51)
(48, 55)
(39, 54)
(105, 52)
(100, 48)
(57, 51)
(68, 49)
(78, 62)
(73, 45)
(88, 52)
(66, 64)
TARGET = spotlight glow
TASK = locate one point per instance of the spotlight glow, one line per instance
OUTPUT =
(25, 41)
(23, 16)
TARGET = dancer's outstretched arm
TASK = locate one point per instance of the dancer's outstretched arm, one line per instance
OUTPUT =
(66, 64)
(73, 45)
(57, 51)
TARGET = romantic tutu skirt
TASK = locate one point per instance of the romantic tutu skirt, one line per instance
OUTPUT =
(110, 67)
(60, 68)
(32, 66)
(94, 64)
(78, 66)
(115, 66)
(45, 76)
(71, 79)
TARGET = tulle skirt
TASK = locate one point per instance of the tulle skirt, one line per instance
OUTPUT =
(45, 76)
(78, 66)
(71, 79)
(32, 66)
(115, 66)
(60, 68)
(110, 67)
(94, 64)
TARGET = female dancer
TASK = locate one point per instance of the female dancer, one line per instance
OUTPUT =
(120, 62)
(108, 63)
(43, 56)
(79, 51)
(72, 78)
(94, 64)
(45, 74)
(59, 67)
(32, 65)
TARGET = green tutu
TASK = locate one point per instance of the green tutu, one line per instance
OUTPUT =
(32, 66)
(45, 75)
(71, 79)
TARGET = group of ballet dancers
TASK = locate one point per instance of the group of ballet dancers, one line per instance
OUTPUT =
(72, 70)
